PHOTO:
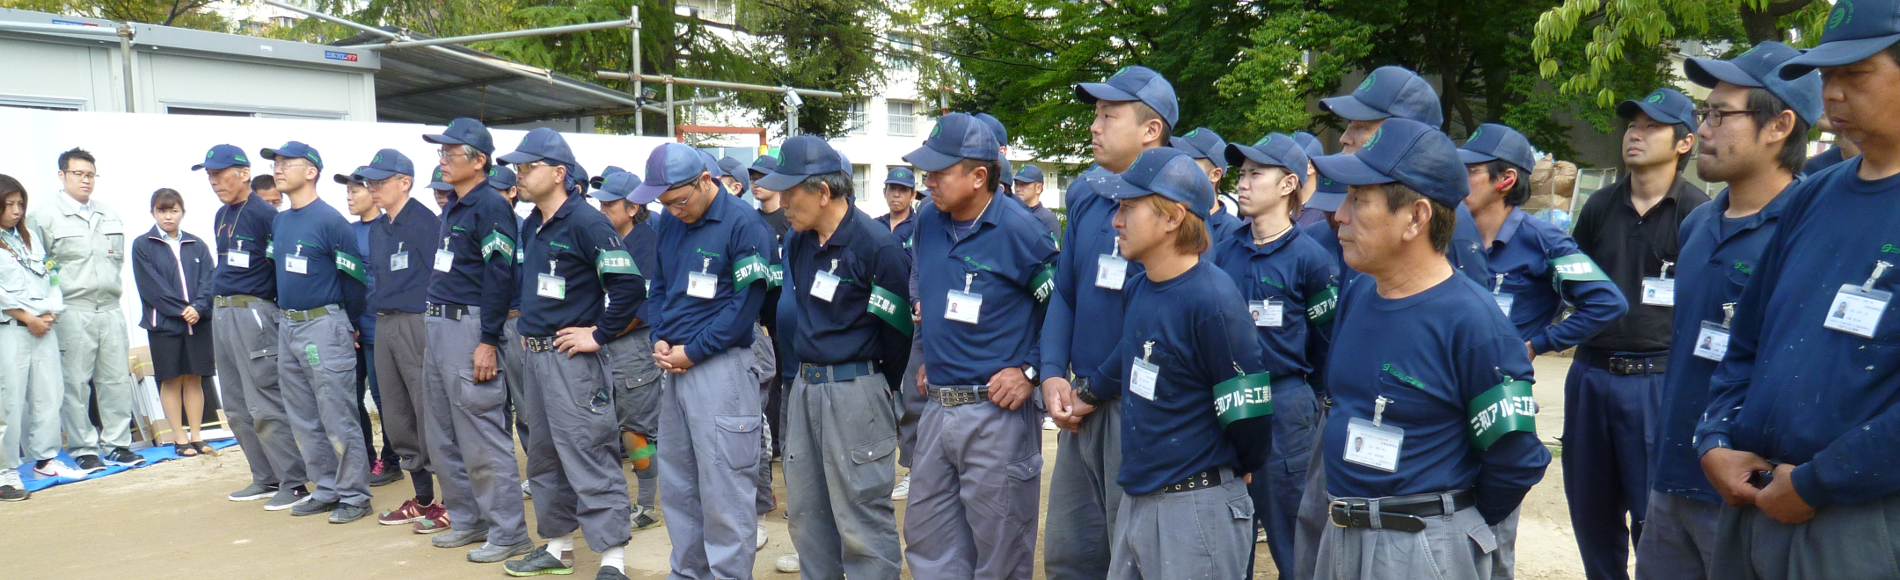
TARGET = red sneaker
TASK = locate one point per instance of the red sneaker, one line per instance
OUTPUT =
(409, 512)
(435, 518)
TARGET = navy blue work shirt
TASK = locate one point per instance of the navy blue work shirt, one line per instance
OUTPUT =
(479, 229)
(1526, 253)
(594, 282)
(863, 255)
(411, 233)
(245, 228)
(1007, 258)
(644, 244)
(320, 236)
(730, 242)
(1295, 273)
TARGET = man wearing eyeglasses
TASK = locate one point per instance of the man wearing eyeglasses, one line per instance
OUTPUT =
(1630, 231)
(320, 289)
(470, 290)
(85, 245)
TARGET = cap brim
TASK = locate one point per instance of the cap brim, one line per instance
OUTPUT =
(1628, 109)
(1326, 201)
(1238, 155)
(1349, 108)
(1092, 92)
(1467, 157)
(644, 194)
(776, 181)
(604, 195)
(342, 179)
(443, 140)
(912, 185)
(267, 153)
(518, 157)
(441, 185)
(216, 166)
(1112, 186)
(927, 159)
(372, 174)
(1349, 169)
(1707, 72)
(1835, 53)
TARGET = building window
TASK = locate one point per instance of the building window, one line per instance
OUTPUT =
(903, 118)
(858, 123)
(285, 21)
(860, 179)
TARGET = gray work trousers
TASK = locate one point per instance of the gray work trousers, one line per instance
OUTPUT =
(839, 441)
(765, 367)
(910, 406)
(471, 453)
(709, 466)
(1312, 516)
(1678, 538)
(1456, 547)
(573, 459)
(1842, 542)
(318, 374)
(95, 360)
(401, 354)
(514, 365)
(636, 383)
(246, 352)
(974, 492)
(29, 396)
(1084, 500)
(1202, 534)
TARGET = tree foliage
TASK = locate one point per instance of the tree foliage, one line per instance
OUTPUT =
(180, 13)
(1620, 32)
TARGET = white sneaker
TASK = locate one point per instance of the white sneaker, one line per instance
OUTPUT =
(762, 537)
(902, 491)
(1048, 424)
(788, 563)
(57, 468)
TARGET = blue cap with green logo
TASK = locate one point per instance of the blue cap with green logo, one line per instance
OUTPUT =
(1669, 106)
(1202, 143)
(294, 150)
(223, 156)
(901, 176)
(1390, 91)
(1406, 152)
(1855, 30)
(1757, 69)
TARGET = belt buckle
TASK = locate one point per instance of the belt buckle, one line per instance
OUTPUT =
(1336, 509)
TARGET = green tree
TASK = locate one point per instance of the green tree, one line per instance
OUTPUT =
(180, 13)
(1621, 32)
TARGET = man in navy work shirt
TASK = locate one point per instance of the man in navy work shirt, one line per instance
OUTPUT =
(1209, 150)
(1291, 286)
(1535, 267)
(472, 454)
(1806, 389)
(1756, 145)
(1432, 428)
(1309, 182)
(244, 318)
(1134, 111)
(1197, 426)
(320, 288)
(636, 377)
(984, 272)
(398, 248)
(851, 338)
(711, 279)
(578, 291)
(513, 357)
(362, 204)
(1630, 230)
(1029, 185)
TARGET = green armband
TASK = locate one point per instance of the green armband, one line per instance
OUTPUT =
(748, 270)
(893, 310)
(1320, 307)
(778, 276)
(615, 262)
(1505, 408)
(351, 265)
(1576, 268)
(1243, 397)
(1043, 284)
(496, 243)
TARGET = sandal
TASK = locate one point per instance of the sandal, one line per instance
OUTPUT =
(182, 448)
(203, 448)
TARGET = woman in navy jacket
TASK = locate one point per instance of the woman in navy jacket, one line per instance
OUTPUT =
(173, 270)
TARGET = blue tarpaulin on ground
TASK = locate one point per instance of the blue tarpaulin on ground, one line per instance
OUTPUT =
(152, 456)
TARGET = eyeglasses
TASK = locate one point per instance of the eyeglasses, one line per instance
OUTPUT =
(529, 167)
(379, 183)
(82, 175)
(446, 155)
(1713, 117)
(277, 166)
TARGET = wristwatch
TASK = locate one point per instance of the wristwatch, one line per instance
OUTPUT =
(1080, 387)
(1030, 372)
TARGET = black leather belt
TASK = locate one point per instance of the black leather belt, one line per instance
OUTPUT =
(449, 311)
(1625, 365)
(956, 396)
(838, 373)
(1402, 513)
(539, 343)
(1202, 480)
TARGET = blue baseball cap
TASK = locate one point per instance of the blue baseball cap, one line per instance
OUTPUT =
(996, 128)
(1164, 171)
(1492, 141)
(616, 186)
(1275, 149)
(601, 179)
(763, 165)
(1856, 29)
(1029, 174)
(438, 182)
(223, 156)
(1202, 143)
(1134, 83)
(1757, 69)
(386, 163)
(672, 165)
(901, 176)
(1390, 91)
(1309, 144)
(801, 157)
(501, 178)
(465, 131)
(1406, 152)
(1667, 105)
(737, 169)
(539, 144)
(294, 150)
(958, 136)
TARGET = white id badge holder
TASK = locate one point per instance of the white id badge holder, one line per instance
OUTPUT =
(1504, 300)
(1857, 309)
(964, 306)
(1711, 342)
(1269, 313)
(238, 258)
(399, 261)
(444, 259)
(1373, 444)
(1661, 290)
(702, 284)
(1111, 269)
(296, 263)
(825, 284)
(1141, 378)
(549, 285)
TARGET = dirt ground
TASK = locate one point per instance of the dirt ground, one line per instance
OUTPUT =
(171, 521)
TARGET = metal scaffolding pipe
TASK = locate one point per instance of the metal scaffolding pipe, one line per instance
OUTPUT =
(57, 28)
(617, 75)
(399, 44)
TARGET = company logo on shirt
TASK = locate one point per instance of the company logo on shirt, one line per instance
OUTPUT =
(1890, 249)
(1744, 268)
(1407, 379)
